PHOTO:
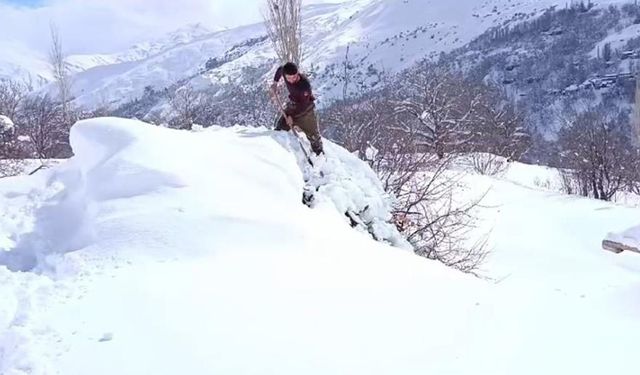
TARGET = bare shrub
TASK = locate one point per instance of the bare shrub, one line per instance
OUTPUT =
(11, 95)
(42, 121)
(437, 108)
(487, 164)
(186, 103)
(598, 155)
(421, 181)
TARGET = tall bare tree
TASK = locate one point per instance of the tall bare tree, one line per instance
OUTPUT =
(635, 120)
(283, 21)
(60, 71)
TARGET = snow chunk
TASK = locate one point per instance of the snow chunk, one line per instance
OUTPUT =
(629, 238)
(5, 124)
(341, 181)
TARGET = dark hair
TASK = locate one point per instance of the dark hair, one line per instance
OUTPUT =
(290, 69)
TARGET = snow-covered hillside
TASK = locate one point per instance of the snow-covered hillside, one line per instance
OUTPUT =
(142, 50)
(19, 63)
(23, 64)
(169, 252)
(383, 36)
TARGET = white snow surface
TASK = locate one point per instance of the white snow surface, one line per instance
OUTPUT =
(157, 251)
(629, 237)
(5, 124)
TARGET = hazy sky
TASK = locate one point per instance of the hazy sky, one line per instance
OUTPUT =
(102, 26)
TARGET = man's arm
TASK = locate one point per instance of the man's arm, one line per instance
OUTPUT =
(278, 75)
(276, 79)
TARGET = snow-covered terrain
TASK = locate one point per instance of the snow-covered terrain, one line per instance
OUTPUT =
(6, 124)
(157, 251)
(383, 36)
(19, 63)
(142, 50)
(629, 237)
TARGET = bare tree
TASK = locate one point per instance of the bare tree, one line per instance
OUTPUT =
(358, 123)
(41, 119)
(635, 120)
(500, 128)
(186, 103)
(437, 108)
(424, 186)
(284, 27)
(345, 86)
(421, 182)
(500, 135)
(597, 154)
(60, 71)
(245, 105)
(11, 95)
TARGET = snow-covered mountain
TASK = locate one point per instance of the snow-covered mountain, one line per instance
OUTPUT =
(128, 259)
(382, 36)
(143, 50)
(21, 63)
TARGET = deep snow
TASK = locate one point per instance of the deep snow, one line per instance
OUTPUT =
(168, 252)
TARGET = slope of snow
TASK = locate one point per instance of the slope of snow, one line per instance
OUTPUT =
(579, 303)
(185, 252)
(142, 50)
(22, 64)
(126, 80)
(222, 219)
(617, 38)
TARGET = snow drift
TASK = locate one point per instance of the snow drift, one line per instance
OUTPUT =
(116, 159)
(628, 240)
(156, 251)
(5, 124)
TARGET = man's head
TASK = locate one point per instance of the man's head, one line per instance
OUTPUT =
(290, 71)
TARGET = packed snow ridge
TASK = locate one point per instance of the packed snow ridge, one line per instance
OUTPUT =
(117, 159)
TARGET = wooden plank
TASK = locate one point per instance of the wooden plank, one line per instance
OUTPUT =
(616, 247)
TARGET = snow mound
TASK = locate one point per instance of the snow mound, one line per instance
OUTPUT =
(342, 181)
(5, 124)
(193, 251)
(629, 238)
(114, 160)
(204, 235)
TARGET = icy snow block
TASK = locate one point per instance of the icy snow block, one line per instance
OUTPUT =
(625, 241)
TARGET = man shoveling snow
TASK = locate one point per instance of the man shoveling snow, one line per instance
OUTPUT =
(300, 111)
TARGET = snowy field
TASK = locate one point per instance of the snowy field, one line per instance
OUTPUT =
(157, 251)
